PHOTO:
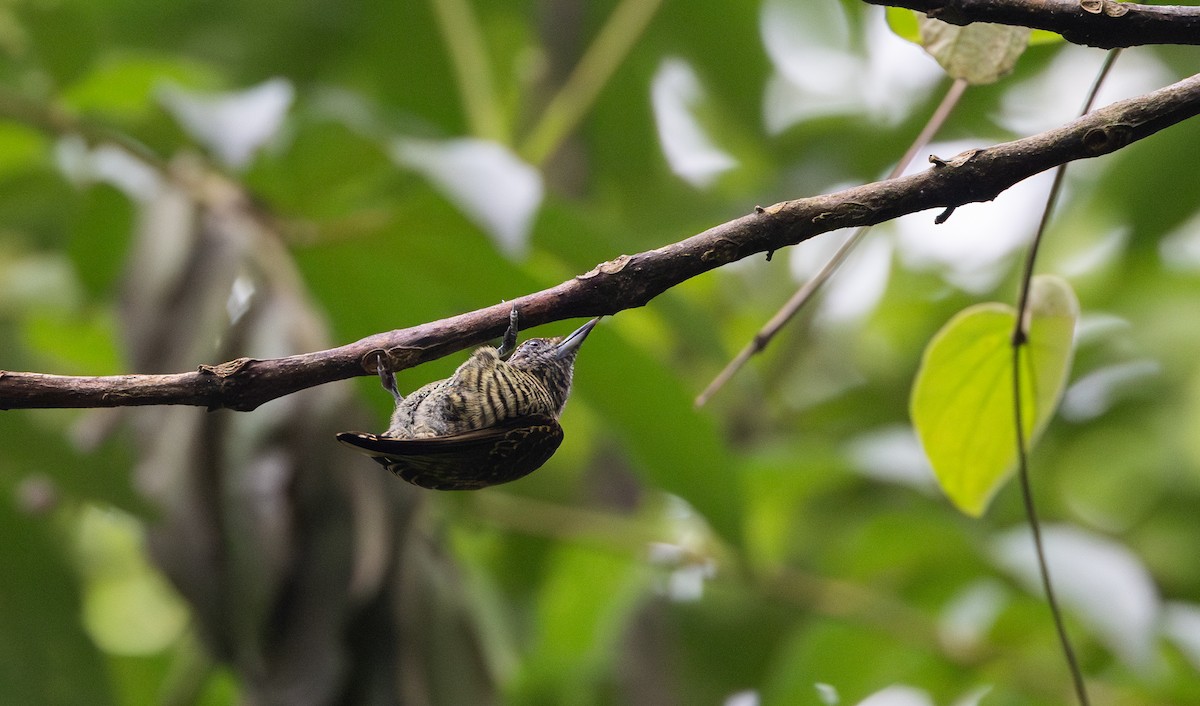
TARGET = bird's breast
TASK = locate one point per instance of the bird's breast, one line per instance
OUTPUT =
(484, 391)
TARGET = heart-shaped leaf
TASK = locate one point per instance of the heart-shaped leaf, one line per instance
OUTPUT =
(962, 398)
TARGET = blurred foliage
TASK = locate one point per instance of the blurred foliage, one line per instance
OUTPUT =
(781, 545)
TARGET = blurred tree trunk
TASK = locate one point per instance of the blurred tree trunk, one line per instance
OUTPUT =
(293, 555)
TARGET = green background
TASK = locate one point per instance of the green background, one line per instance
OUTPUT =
(665, 554)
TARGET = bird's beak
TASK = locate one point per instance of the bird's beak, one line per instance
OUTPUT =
(571, 343)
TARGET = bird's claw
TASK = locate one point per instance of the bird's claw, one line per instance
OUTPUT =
(509, 344)
(387, 378)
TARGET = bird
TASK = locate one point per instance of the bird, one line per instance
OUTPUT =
(493, 421)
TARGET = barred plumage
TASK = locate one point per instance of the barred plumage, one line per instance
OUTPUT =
(493, 421)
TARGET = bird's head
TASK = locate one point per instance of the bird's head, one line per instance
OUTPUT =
(552, 360)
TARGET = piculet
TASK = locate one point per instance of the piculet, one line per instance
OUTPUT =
(494, 421)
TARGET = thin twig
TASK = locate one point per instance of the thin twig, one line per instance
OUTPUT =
(468, 55)
(805, 293)
(1051, 202)
(621, 31)
(53, 120)
(1019, 339)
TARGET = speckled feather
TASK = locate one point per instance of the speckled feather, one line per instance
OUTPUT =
(491, 422)
(468, 460)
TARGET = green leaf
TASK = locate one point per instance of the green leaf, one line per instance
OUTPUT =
(83, 344)
(962, 399)
(904, 24)
(122, 84)
(676, 447)
(1041, 37)
(21, 148)
(62, 36)
(128, 608)
(979, 53)
(46, 657)
(101, 227)
(587, 594)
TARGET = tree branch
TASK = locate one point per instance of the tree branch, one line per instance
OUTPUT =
(1106, 24)
(631, 281)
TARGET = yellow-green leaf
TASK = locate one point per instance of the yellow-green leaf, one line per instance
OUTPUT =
(1040, 37)
(962, 398)
(979, 53)
(903, 24)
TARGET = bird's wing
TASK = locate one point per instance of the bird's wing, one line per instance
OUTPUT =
(468, 460)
